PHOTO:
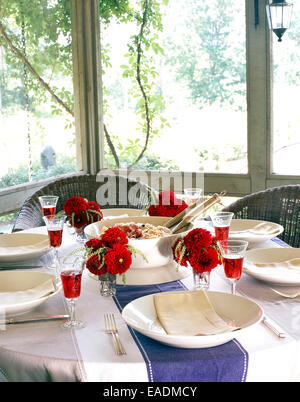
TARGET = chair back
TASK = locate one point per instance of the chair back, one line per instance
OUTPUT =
(107, 190)
(278, 204)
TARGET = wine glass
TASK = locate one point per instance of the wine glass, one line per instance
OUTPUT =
(232, 252)
(48, 204)
(70, 275)
(55, 226)
(221, 222)
(192, 194)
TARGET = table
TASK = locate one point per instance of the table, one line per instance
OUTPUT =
(45, 352)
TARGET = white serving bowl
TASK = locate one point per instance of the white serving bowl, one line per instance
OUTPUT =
(111, 212)
(158, 251)
(15, 281)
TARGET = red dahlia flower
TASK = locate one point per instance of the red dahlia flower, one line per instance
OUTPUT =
(203, 261)
(167, 198)
(168, 205)
(118, 259)
(75, 205)
(198, 238)
(179, 256)
(79, 220)
(114, 236)
(95, 244)
(93, 265)
(94, 216)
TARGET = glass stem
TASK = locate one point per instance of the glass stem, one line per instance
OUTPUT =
(233, 286)
(71, 305)
(56, 262)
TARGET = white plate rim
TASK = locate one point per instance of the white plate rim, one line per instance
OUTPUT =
(267, 279)
(29, 302)
(25, 254)
(208, 338)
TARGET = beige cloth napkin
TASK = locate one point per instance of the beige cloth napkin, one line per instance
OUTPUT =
(43, 289)
(263, 228)
(189, 313)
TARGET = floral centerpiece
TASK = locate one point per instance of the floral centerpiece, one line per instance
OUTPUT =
(168, 205)
(108, 256)
(81, 212)
(199, 250)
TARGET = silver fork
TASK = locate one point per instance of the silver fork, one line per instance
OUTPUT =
(111, 328)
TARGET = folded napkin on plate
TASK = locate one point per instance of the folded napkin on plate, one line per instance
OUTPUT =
(189, 313)
(293, 264)
(260, 229)
(11, 250)
(43, 289)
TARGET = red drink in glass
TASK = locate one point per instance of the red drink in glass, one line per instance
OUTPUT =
(221, 232)
(71, 282)
(48, 210)
(55, 237)
(233, 265)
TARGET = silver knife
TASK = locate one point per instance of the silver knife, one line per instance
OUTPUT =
(274, 328)
(38, 319)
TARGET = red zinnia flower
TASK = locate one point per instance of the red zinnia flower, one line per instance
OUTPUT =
(75, 205)
(114, 236)
(93, 265)
(197, 238)
(204, 261)
(95, 244)
(118, 259)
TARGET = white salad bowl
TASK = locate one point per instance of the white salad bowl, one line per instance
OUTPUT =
(158, 251)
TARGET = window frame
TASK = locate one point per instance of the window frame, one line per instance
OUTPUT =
(86, 49)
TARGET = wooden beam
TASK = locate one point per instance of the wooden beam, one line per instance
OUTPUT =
(87, 84)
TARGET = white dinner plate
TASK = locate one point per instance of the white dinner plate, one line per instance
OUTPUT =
(245, 229)
(16, 281)
(114, 212)
(140, 314)
(16, 247)
(275, 275)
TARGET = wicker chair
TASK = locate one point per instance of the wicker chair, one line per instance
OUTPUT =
(278, 204)
(92, 187)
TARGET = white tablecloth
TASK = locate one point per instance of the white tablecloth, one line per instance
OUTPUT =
(87, 354)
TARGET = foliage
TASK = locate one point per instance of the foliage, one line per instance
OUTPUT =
(130, 152)
(36, 36)
(37, 29)
(142, 52)
(63, 165)
(207, 59)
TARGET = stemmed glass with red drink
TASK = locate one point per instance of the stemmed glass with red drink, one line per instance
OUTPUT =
(233, 252)
(55, 226)
(48, 204)
(71, 274)
(221, 222)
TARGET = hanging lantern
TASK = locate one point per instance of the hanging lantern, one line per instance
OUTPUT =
(279, 14)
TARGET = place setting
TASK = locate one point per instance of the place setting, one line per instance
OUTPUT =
(131, 257)
(255, 232)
